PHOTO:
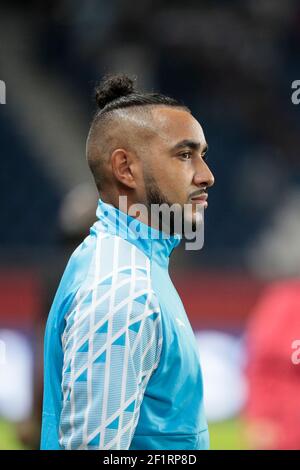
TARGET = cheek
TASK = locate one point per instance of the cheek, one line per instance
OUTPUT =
(174, 178)
(177, 188)
(170, 180)
(181, 178)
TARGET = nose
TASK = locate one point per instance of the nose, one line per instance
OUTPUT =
(203, 176)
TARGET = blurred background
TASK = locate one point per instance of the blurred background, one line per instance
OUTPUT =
(233, 64)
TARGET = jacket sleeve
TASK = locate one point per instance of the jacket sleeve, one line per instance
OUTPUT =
(111, 346)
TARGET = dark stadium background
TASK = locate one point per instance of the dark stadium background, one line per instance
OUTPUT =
(233, 64)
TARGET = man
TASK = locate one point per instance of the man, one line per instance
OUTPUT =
(121, 361)
(272, 414)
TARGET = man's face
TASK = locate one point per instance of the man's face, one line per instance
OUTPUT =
(175, 170)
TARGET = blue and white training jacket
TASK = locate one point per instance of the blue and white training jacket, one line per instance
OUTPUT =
(121, 362)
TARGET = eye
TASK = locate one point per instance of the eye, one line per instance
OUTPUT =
(186, 155)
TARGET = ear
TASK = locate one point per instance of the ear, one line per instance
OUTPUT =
(123, 167)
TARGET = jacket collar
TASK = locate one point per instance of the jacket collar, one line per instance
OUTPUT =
(157, 245)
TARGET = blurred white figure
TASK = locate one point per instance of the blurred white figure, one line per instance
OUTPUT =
(222, 359)
(16, 369)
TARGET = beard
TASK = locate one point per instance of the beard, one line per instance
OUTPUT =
(155, 196)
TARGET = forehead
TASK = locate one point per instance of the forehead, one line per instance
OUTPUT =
(174, 124)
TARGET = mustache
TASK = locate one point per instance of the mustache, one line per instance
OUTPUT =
(198, 193)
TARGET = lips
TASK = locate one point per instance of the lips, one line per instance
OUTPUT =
(201, 199)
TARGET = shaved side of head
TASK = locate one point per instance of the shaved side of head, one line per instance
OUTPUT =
(127, 128)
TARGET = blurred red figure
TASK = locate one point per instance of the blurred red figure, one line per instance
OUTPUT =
(273, 369)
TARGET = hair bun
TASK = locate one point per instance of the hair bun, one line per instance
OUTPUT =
(112, 88)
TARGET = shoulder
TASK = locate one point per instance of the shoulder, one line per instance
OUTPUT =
(117, 285)
(101, 255)
(106, 254)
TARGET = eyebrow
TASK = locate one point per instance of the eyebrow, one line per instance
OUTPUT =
(192, 144)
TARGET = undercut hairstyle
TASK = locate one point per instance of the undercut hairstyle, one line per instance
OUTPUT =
(114, 94)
